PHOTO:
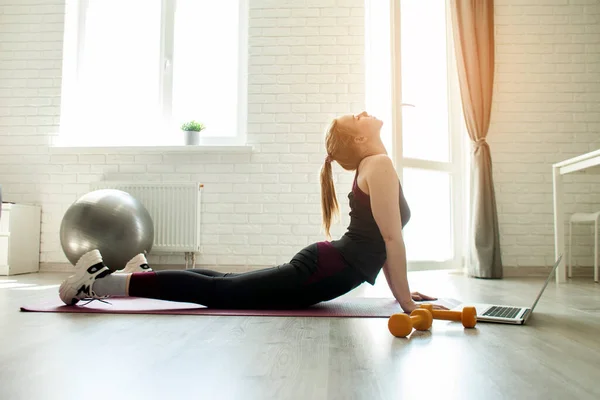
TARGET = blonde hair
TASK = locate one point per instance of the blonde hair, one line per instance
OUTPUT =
(341, 147)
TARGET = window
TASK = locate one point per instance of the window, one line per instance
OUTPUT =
(135, 70)
(412, 85)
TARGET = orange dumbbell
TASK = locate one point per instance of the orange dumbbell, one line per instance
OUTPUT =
(468, 315)
(401, 325)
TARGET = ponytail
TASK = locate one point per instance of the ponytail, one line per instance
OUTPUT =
(339, 144)
(329, 204)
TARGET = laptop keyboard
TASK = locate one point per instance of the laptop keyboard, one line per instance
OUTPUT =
(502, 312)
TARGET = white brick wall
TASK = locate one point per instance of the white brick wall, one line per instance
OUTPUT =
(546, 109)
(305, 67)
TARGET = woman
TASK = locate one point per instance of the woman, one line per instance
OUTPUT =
(321, 271)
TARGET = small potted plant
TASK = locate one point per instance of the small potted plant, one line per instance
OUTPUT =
(192, 131)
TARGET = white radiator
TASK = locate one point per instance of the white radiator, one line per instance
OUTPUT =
(175, 209)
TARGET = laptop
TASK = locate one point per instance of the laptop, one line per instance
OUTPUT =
(505, 314)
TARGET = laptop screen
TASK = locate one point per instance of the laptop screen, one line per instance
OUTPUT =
(545, 284)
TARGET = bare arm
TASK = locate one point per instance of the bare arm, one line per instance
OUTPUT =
(390, 281)
(384, 191)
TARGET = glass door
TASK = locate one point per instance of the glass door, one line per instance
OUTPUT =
(412, 85)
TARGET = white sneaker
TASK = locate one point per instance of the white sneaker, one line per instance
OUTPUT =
(136, 264)
(80, 285)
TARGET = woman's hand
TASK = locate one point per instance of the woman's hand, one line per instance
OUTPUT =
(409, 306)
(416, 296)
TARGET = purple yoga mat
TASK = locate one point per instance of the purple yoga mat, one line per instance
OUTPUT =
(358, 307)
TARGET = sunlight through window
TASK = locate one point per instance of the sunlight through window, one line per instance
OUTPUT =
(424, 80)
(205, 87)
(136, 70)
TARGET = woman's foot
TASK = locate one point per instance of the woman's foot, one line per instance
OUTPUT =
(80, 285)
(136, 264)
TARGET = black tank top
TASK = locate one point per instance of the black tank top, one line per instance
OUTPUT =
(362, 246)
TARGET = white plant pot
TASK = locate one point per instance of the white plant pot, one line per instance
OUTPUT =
(192, 138)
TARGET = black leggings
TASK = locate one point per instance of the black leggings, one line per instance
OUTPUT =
(306, 280)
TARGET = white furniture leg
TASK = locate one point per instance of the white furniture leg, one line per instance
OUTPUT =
(570, 250)
(559, 226)
(596, 251)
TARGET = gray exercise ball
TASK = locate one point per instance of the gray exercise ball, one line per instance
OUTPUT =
(111, 221)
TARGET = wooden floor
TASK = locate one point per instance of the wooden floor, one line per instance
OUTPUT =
(78, 356)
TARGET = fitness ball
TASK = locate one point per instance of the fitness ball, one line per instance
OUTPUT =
(111, 221)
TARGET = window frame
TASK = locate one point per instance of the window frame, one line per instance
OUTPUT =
(75, 21)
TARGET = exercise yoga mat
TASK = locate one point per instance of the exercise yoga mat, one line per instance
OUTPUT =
(357, 307)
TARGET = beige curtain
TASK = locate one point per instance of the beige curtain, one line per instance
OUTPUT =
(473, 28)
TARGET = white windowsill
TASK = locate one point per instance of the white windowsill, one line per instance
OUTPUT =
(200, 149)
